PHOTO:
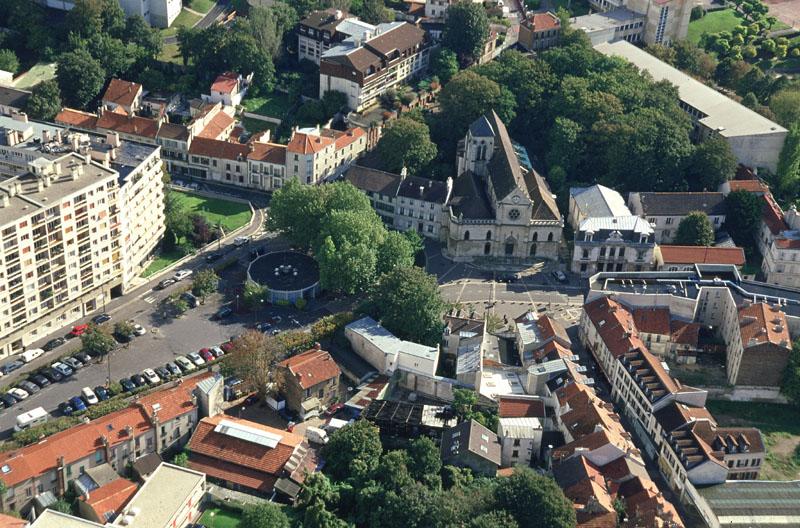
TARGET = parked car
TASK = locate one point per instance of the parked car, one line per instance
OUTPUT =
(333, 409)
(78, 330)
(138, 380)
(150, 376)
(139, 329)
(165, 283)
(508, 278)
(65, 370)
(74, 364)
(195, 358)
(7, 400)
(127, 385)
(54, 343)
(100, 319)
(77, 404)
(222, 313)
(29, 386)
(190, 299)
(11, 366)
(102, 393)
(51, 374)
(31, 354)
(18, 394)
(217, 351)
(182, 274)
(174, 370)
(184, 364)
(83, 357)
(89, 396)
(213, 257)
(559, 275)
(263, 327)
(40, 379)
(163, 373)
(227, 346)
(241, 241)
(207, 355)
(65, 408)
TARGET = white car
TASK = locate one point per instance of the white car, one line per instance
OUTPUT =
(138, 329)
(184, 364)
(195, 358)
(240, 241)
(18, 394)
(182, 274)
(150, 376)
(89, 396)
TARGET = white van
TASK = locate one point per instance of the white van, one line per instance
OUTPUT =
(316, 435)
(31, 354)
(29, 419)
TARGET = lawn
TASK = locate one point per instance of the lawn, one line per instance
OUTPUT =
(231, 215)
(221, 518)
(201, 6)
(39, 72)
(778, 424)
(171, 53)
(714, 22)
(255, 126)
(576, 7)
(162, 261)
(276, 104)
(185, 19)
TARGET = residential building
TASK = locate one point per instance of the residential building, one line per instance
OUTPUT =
(409, 420)
(497, 208)
(520, 440)
(156, 423)
(539, 31)
(157, 13)
(779, 242)
(315, 154)
(534, 332)
(521, 406)
(595, 201)
(123, 97)
(365, 67)
(322, 30)
(758, 345)
(248, 456)
(12, 100)
(310, 382)
(613, 243)
(228, 88)
(104, 503)
(404, 202)
(665, 21)
(387, 353)
(755, 140)
(665, 210)
(81, 216)
(683, 258)
(469, 444)
(612, 26)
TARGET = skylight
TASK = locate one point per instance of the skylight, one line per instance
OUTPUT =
(247, 433)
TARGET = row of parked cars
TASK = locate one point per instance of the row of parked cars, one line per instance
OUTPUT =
(178, 367)
(36, 381)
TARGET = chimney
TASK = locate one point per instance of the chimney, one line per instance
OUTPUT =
(112, 138)
(22, 117)
(4, 201)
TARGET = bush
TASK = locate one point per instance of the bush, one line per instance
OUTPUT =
(103, 408)
(300, 303)
(697, 13)
(32, 435)
(330, 324)
(296, 341)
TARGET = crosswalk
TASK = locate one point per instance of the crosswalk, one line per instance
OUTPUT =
(150, 299)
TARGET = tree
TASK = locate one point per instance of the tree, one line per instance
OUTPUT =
(181, 459)
(205, 283)
(424, 460)
(91, 17)
(45, 101)
(534, 500)
(96, 341)
(142, 34)
(269, 25)
(376, 12)
(468, 96)
(80, 77)
(695, 230)
(494, 519)
(788, 177)
(466, 30)
(176, 304)
(786, 106)
(333, 101)
(409, 304)
(254, 295)
(742, 217)
(9, 61)
(353, 451)
(124, 330)
(712, 164)
(296, 210)
(254, 358)
(264, 515)
(61, 506)
(395, 251)
(406, 143)
(444, 64)
(791, 376)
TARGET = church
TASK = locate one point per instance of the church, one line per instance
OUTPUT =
(498, 208)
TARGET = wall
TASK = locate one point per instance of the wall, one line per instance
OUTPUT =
(368, 351)
(434, 387)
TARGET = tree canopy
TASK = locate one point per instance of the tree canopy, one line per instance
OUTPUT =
(791, 376)
(535, 500)
(742, 217)
(80, 77)
(695, 230)
(45, 101)
(406, 143)
(253, 357)
(712, 164)
(264, 515)
(466, 30)
(355, 449)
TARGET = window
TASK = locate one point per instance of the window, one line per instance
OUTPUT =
(549, 237)
(585, 254)
(516, 442)
(466, 235)
(98, 457)
(488, 235)
(535, 236)
(669, 221)
(515, 454)
(487, 248)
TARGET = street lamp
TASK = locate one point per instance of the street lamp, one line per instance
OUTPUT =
(211, 516)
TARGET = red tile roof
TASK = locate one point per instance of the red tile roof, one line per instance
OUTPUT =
(549, 328)
(7, 521)
(652, 320)
(683, 333)
(763, 323)
(267, 152)
(754, 186)
(544, 21)
(302, 143)
(215, 148)
(110, 498)
(615, 325)
(225, 83)
(787, 243)
(243, 476)
(702, 255)
(76, 118)
(520, 407)
(645, 503)
(343, 139)
(217, 127)
(311, 368)
(772, 215)
(138, 126)
(121, 92)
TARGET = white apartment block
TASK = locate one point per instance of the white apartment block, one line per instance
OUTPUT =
(665, 21)
(322, 30)
(157, 13)
(80, 216)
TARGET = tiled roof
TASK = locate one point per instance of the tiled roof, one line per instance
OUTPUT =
(652, 319)
(615, 325)
(7, 521)
(76, 118)
(267, 152)
(676, 414)
(139, 126)
(121, 92)
(14, 98)
(373, 180)
(549, 328)
(173, 131)
(645, 503)
(772, 215)
(343, 139)
(397, 38)
(423, 189)
(682, 203)
(323, 19)
(763, 323)
(788, 243)
(702, 255)
(543, 21)
(469, 199)
(469, 436)
(225, 83)
(683, 333)
(215, 129)
(754, 186)
(311, 368)
(302, 143)
(511, 406)
(111, 498)
(215, 148)
(226, 471)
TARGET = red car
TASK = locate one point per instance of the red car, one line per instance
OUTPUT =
(333, 409)
(206, 354)
(79, 330)
(226, 346)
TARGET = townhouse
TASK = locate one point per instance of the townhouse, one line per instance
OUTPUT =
(122, 97)
(665, 210)
(310, 382)
(539, 31)
(613, 243)
(471, 445)
(683, 258)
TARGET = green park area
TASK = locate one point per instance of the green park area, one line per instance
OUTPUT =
(185, 19)
(276, 104)
(713, 22)
(201, 6)
(221, 518)
(779, 426)
(42, 71)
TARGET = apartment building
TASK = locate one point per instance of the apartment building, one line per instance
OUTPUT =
(81, 215)
(779, 243)
(365, 67)
(665, 210)
(594, 202)
(310, 382)
(539, 31)
(157, 13)
(664, 21)
(123, 97)
(404, 202)
(683, 258)
(322, 30)
(315, 154)
(229, 88)
(155, 423)
(613, 243)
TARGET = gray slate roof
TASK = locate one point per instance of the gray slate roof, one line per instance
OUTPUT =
(469, 198)
(469, 437)
(373, 180)
(13, 97)
(682, 203)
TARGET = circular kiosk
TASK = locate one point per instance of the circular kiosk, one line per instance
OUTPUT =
(289, 275)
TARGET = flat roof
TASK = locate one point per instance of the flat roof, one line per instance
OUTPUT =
(162, 495)
(724, 115)
(754, 503)
(387, 342)
(53, 519)
(608, 20)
